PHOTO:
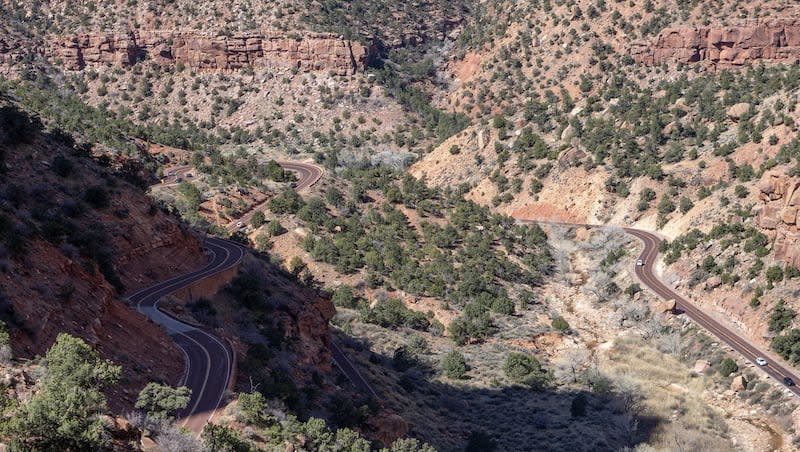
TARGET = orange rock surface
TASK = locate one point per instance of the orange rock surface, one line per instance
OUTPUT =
(307, 53)
(723, 47)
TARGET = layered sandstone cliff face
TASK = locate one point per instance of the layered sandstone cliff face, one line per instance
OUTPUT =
(778, 214)
(307, 53)
(776, 41)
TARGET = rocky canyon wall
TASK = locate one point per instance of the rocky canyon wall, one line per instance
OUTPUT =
(777, 216)
(307, 52)
(724, 47)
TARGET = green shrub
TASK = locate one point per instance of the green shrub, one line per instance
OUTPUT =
(344, 296)
(666, 205)
(727, 367)
(222, 437)
(17, 126)
(454, 365)
(686, 204)
(262, 243)
(253, 407)
(392, 313)
(560, 324)
(288, 202)
(274, 228)
(579, 405)
(62, 166)
(258, 219)
(523, 368)
(788, 345)
(65, 413)
(479, 441)
(774, 274)
(163, 402)
(781, 317)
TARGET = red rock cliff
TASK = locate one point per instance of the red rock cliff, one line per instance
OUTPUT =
(309, 52)
(723, 47)
(778, 213)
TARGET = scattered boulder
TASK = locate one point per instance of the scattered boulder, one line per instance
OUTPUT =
(737, 111)
(789, 215)
(121, 430)
(769, 217)
(149, 444)
(739, 383)
(570, 157)
(665, 306)
(700, 366)
(388, 427)
(713, 282)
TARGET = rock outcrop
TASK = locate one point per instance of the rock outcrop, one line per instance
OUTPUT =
(388, 426)
(724, 47)
(700, 366)
(739, 383)
(200, 51)
(778, 214)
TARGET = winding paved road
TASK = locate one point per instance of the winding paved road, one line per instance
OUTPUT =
(347, 368)
(647, 276)
(308, 175)
(178, 172)
(645, 273)
(208, 359)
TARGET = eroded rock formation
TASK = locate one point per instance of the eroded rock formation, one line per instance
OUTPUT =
(308, 52)
(723, 47)
(778, 214)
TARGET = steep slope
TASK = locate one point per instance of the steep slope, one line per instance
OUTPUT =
(662, 142)
(76, 236)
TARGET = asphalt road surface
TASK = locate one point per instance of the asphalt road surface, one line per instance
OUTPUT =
(208, 358)
(774, 368)
(350, 371)
(645, 273)
(178, 172)
(308, 175)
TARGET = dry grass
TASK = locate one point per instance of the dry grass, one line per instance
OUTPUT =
(671, 392)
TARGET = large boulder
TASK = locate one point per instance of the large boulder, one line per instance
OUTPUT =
(738, 110)
(388, 427)
(769, 217)
(739, 383)
(713, 282)
(700, 366)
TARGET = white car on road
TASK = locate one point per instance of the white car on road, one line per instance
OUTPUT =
(639, 262)
(761, 361)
